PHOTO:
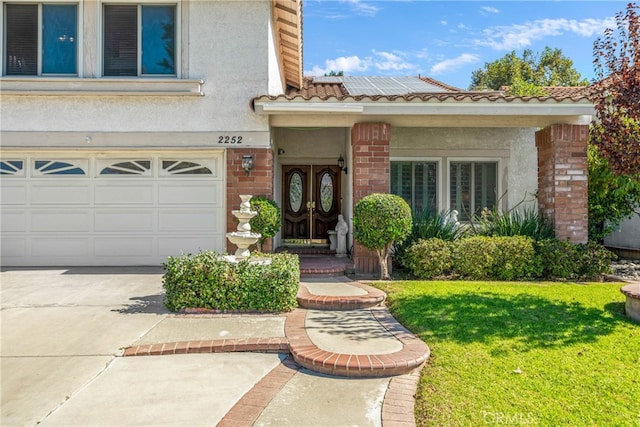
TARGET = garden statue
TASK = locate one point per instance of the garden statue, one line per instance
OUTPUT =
(342, 228)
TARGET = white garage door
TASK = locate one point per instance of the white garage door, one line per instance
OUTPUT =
(133, 209)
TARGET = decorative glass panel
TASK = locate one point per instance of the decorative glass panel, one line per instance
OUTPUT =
(56, 167)
(12, 167)
(133, 167)
(182, 167)
(295, 192)
(326, 192)
(158, 39)
(59, 39)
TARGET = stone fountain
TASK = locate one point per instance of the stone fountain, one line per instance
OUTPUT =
(243, 237)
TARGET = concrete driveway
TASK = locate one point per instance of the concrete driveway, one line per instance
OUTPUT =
(63, 331)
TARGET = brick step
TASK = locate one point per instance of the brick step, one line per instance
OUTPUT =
(373, 298)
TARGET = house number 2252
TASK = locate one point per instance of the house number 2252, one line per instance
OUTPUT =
(230, 139)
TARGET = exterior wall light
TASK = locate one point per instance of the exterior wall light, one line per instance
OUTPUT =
(247, 163)
(341, 164)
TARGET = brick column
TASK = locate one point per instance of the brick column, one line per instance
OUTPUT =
(258, 183)
(562, 179)
(371, 169)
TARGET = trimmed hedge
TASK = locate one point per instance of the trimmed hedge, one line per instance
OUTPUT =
(437, 262)
(500, 258)
(507, 258)
(206, 280)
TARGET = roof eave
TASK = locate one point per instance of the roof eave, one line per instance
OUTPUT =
(547, 108)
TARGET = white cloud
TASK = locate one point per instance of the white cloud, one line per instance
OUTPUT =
(443, 22)
(453, 64)
(490, 9)
(380, 60)
(522, 35)
(386, 61)
(362, 8)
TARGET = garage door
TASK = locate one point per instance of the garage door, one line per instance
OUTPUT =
(109, 210)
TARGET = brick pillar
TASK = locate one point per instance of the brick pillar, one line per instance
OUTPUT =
(562, 179)
(258, 183)
(371, 169)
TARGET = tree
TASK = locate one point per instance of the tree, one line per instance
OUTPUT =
(548, 68)
(267, 222)
(379, 221)
(612, 198)
(333, 73)
(615, 131)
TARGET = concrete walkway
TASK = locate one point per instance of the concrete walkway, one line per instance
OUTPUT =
(68, 337)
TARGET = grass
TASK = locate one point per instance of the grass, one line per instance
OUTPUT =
(577, 354)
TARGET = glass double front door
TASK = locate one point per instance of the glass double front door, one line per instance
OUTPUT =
(311, 203)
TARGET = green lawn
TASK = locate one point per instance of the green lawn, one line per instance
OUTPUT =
(577, 355)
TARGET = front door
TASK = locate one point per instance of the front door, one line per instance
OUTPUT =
(311, 203)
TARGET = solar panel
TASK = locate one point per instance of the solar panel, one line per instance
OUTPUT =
(327, 79)
(380, 85)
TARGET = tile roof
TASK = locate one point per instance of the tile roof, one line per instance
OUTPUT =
(334, 90)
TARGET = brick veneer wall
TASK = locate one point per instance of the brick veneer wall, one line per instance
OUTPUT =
(258, 183)
(371, 169)
(562, 179)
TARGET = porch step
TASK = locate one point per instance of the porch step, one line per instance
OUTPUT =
(307, 250)
(317, 294)
(317, 265)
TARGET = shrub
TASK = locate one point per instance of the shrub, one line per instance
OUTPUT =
(500, 258)
(520, 222)
(379, 220)
(594, 260)
(206, 280)
(558, 259)
(428, 225)
(267, 222)
(429, 258)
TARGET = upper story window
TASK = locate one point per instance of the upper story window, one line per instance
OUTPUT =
(41, 39)
(139, 40)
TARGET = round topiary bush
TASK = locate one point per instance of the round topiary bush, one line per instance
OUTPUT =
(379, 221)
(267, 222)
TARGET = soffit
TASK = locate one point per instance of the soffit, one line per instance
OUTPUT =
(287, 17)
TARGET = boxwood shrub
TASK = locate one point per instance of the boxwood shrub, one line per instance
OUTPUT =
(207, 281)
(429, 258)
(500, 258)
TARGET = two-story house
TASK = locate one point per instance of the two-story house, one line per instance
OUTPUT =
(130, 129)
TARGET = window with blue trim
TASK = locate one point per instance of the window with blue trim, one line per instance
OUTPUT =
(52, 51)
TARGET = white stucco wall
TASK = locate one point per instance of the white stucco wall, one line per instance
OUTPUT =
(514, 148)
(626, 236)
(228, 48)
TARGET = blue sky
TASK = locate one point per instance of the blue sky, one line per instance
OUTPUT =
(446, 40)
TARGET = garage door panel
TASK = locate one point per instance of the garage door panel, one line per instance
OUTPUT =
(188, 220)
(13, 194)
(61, 220)
(177, 193)
(67, 193)
(79, 247)
(175, 246)
(110, 208)
(138, 246)
(13, 247)
(121, 193)
(124, 220)
(13, 220)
